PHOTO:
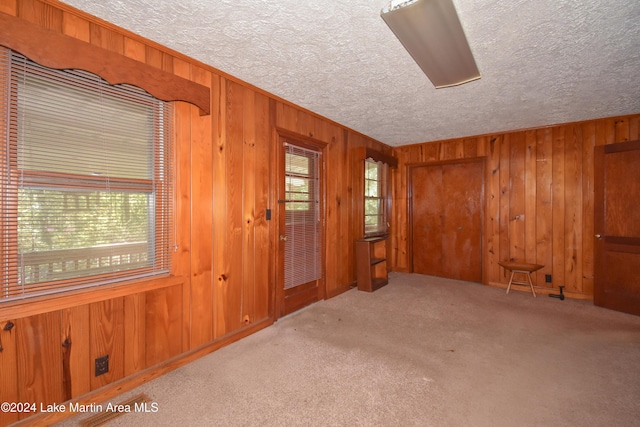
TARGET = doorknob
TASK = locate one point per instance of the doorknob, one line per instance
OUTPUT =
(283, 238)
(598, 236)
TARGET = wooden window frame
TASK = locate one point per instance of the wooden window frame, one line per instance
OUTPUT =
(381, 181)
(389, 162)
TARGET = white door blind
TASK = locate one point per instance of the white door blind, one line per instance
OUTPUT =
(86, 180)
(303, 247)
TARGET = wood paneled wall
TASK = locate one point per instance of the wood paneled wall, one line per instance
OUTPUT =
(222, 284)
(538, 198)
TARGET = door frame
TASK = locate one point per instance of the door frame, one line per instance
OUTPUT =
(282, 136)
(483, 202)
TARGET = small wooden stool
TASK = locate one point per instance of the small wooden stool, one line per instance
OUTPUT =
(520, 268)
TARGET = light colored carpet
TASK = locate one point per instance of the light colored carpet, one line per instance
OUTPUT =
(421, 351)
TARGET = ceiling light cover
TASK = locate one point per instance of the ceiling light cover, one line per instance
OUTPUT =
(432, 34)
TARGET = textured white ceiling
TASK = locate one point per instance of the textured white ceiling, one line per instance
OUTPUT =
(542, 61)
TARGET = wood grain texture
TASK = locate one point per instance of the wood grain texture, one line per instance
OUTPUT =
(263, 200)
(163, 324)
(544, 205)
(588, 207)
(10, 7)
(492, 210)
(76, 27)
(220, 196)
(107, 339)
(201, 294)
(539, 198)
(9, 369)
(559, 201)
(250, 161)
(39, 357)
(76, 351)
(41, 13)
(223, 188)
(135, 333)
(516, 202)
(504, 213)
(233, 228)
(104, 57)
(530, 200)
(181, 259)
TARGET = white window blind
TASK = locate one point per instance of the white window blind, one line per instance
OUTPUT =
(302, 258)
(86, 180)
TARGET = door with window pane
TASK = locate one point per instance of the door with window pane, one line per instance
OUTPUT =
(300, 228)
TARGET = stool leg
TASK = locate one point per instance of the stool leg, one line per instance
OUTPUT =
(510, 280)
(531, 284)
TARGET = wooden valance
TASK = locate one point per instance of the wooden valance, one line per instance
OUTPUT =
(55, 50)
(379, 156)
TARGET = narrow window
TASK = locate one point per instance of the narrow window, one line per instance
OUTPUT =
(375, 198)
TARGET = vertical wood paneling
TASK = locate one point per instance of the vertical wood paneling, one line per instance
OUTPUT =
(39, 358)
(135, 330)
(9, 370)
(622, 130)
(539, 197)
(76, 27)
(492, 211)
(558, 200)
(106, 38)
(530, 192)
(76, 351)
(201, 221)
(588, 197)
(220, 197)
(605, 132)
(163, 320)
(516, 190)
(107, 338)
(333, 212)
(346, 268)
(248, 196)
(634, 128)
(234, 220)
(573, 208)
(41, 13)
(544, 205)
(135, 49)
(181, 260)
(504, 208)
(262, 226)
(225, 250)
(10, 7)
(400, 227)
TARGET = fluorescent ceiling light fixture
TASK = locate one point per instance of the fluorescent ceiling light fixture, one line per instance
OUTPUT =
(432, 34)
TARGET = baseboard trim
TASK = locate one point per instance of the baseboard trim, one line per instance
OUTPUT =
(543, 291)
(121, 386)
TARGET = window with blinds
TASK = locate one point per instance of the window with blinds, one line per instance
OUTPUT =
(302, 257)
(86, 176)
(375, 195)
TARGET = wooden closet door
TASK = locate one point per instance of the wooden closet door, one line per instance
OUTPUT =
(617, 227)
(447, 220)
(427, 209)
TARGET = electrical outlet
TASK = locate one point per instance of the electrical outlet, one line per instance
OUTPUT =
(547, 278)
(102, 365)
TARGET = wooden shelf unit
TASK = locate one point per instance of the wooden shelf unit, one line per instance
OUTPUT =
(371, 261)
